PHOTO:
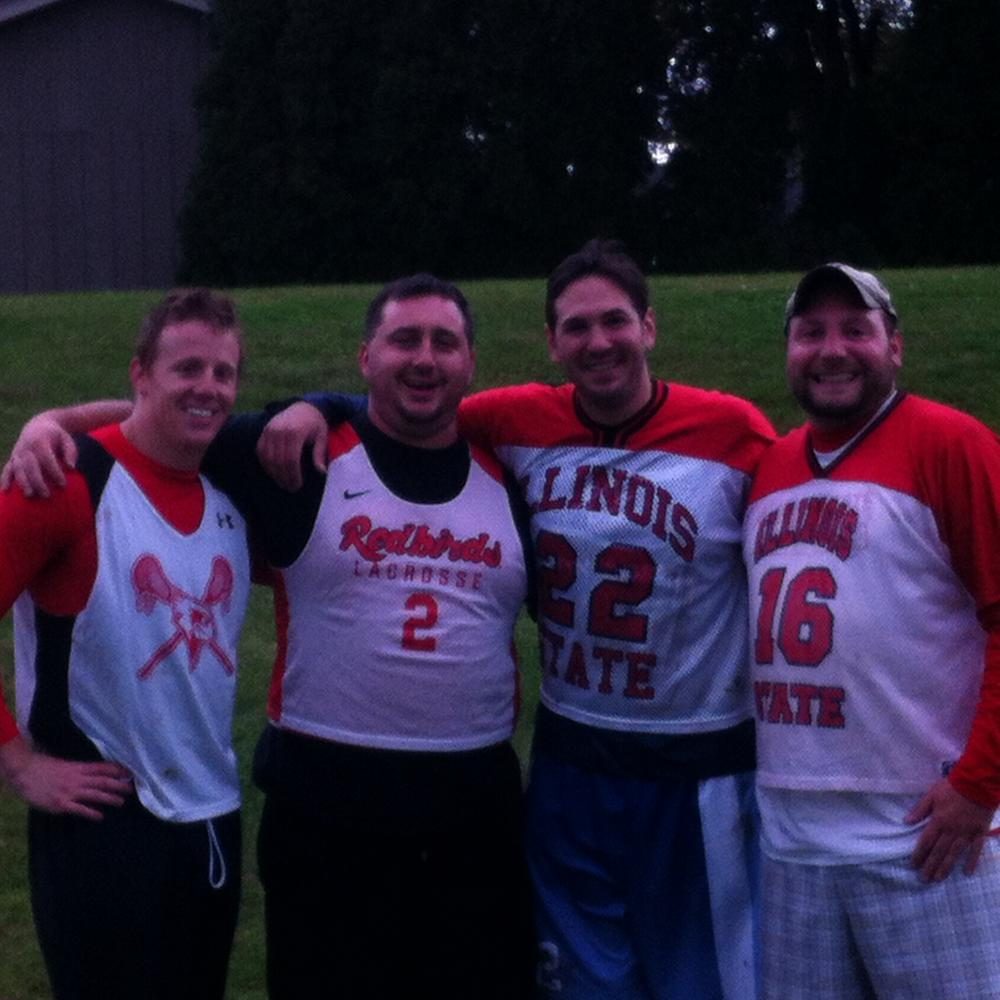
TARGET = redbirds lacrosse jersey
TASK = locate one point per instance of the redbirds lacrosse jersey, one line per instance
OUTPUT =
(642, 592)
(396, 619)
(871, 583)
(145, 670)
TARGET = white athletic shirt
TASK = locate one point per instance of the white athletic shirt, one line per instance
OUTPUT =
(867, 651)
(396, 620)
(152, 662)
(642, 592)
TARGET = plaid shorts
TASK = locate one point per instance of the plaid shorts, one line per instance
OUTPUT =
(842, 932)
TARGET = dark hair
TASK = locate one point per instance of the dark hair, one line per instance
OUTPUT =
(606, 259)
(179, 306)
(414, 287)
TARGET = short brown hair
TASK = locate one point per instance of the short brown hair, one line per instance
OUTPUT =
(179, 306)
(605, 259)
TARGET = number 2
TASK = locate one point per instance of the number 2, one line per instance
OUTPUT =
(427, 620)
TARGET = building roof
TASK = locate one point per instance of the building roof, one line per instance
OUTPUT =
(9, 9)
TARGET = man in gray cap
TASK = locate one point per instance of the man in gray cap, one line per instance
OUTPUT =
(871, 542)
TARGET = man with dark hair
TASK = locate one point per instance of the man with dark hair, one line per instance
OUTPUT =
(415, 286)
(390, 844)
(641, 822)
(131, 601)
(871, 541)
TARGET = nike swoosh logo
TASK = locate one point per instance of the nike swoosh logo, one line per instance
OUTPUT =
(349, 495)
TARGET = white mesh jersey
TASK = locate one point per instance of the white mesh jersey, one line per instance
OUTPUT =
(642, 595)
(152, 659)
(866, 580)
(396, 620)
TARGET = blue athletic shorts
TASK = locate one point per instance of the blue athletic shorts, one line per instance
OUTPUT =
(644, 889)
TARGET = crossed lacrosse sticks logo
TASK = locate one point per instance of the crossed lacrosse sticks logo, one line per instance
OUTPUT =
(193, 617)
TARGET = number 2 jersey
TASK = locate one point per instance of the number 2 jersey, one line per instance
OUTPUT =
(397, 578)
(875, 607)
(398, 616)
(636, 529)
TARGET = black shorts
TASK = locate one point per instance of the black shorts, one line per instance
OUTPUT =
(133, 906)
(368, 912)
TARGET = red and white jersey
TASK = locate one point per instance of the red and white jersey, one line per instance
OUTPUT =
(642, 595)
(144, 667)
(396, 620)
(872, 584)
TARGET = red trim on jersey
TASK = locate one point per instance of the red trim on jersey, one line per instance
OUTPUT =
(977, 773)
(176, 493)
(710, 425)
(281, 620)
(487, 461)
(342, 439)
(698, 423)
(8, 727)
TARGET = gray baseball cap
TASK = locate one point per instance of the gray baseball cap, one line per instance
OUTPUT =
(871, 291)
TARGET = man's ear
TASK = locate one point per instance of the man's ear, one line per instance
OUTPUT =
(550, 339)
(649, 329)
(896, 346)
(137, 376)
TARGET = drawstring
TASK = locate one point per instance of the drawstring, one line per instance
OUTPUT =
(216, 859)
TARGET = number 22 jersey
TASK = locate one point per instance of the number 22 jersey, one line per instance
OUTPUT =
(641, 586)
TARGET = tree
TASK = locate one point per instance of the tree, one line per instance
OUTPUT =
(941, 113)
(726, 113)
(237, 193)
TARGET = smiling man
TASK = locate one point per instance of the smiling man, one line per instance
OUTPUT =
(390, 843)
(641, 830)
(132, 598)
(871, 541)
(641, 820)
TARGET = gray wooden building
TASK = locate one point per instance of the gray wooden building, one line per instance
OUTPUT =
(97, 139)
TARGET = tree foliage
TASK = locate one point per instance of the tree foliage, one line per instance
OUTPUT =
(360, 139)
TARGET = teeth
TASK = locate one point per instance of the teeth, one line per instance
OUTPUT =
(196, 412)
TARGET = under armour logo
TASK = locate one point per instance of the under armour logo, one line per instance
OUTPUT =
(193, 617)
(224, 520)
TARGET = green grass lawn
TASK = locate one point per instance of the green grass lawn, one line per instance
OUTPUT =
(721, 332)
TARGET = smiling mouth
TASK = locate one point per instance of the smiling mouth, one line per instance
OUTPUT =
(601, 365)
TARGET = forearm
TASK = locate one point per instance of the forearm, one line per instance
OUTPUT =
(82, 417)
(14, 756)
(977, 773)
(336, 407)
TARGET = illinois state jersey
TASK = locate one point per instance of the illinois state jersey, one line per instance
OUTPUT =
(636, 530)
(870, 582)
(416, 600)
(146, 671)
